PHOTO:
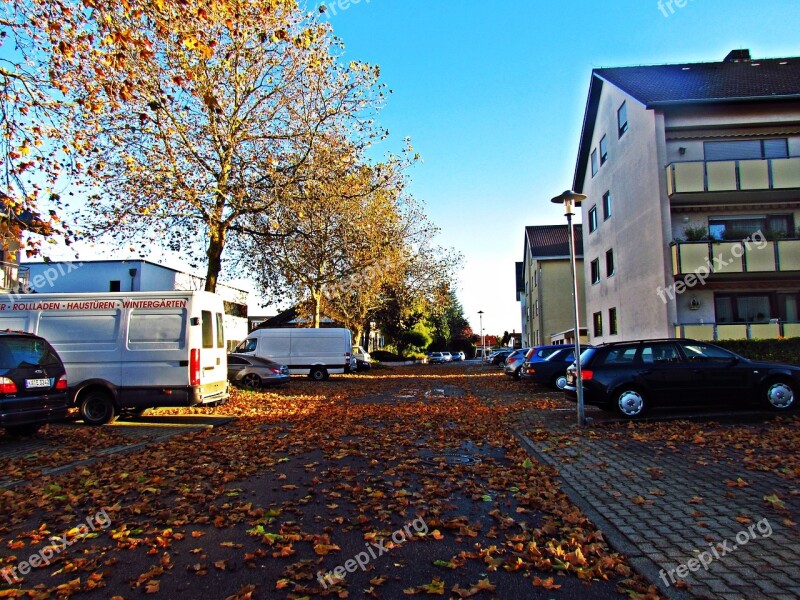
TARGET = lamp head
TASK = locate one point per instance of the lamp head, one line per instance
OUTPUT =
(570, 200)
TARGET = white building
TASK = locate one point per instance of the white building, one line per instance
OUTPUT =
(692, 178)
(135, 276)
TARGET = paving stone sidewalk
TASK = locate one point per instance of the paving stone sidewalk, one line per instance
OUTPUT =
(663, 507)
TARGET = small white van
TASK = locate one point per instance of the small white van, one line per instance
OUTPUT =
(127, 352)
(317, 353)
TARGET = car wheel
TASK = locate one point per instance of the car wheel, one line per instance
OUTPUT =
(251, 381)
(630, 402)
(318, 374)
(23, 430)
(780, 394)
(560, 381)
(97, 408)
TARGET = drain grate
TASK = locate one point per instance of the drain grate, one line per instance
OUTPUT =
(451, 458)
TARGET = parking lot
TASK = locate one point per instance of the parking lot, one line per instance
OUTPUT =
(257, 497)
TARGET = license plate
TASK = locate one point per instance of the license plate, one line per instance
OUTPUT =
(37, 383)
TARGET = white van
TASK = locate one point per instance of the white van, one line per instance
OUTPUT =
(126, 352)
(314, 352)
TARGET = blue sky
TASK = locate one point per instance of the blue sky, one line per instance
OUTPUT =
(492, 96)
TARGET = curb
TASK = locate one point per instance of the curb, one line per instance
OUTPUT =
(641, 563)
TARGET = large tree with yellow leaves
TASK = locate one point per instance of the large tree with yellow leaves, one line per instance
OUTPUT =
(189, 116)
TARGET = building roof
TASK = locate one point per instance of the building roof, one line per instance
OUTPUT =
(738, 78)
(552, 241)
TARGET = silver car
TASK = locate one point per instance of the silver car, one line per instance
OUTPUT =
(513, 364)
(255, 373)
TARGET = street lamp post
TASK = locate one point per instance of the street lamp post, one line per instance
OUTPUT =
(483, 339)
(570, 200)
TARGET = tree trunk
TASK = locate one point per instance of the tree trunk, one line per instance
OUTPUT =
(359, 334)
(216, 244)
(317, 296)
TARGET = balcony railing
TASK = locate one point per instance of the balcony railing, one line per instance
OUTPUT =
(13, 278)
(712, 332)
(747, 256)
(733, 175)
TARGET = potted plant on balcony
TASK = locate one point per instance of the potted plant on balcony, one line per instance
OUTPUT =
(696, 234)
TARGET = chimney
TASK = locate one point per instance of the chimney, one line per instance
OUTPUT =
(738, 56)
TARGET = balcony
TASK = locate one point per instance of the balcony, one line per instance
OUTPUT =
(713, 332)
(747, 256)
(13, 278)
(773, 179)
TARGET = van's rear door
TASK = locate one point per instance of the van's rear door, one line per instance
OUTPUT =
(213, 357)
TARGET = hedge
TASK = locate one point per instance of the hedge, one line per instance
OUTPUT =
(782, 350)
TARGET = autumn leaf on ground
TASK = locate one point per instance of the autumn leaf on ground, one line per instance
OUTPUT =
(740, 483)
(744, 520)
(696, 500)
(775, 501)
(545, 583)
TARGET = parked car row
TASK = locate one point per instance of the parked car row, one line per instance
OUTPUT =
(438, 358)
(632, 377)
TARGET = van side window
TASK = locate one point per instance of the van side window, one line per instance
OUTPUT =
(156, 329)
(208, 329)
(59, 328)
(220, 332)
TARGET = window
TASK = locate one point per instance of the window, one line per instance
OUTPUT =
(220, 332)
(157, 329)
(700, 352)
(598, 324)
(248, 345)
(622, 355)
(739, 228)
(113, 286)
(660, 353)
(606, 206)
(603, 150)
(592, 219)
(595, 271)
(746, 149)
(743, 308)
(610, 263)
(94, 329)
(208, 329)
(622, 119)
(536, 308)
(612, 321)
(594, 163)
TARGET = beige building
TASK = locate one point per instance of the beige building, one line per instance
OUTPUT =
(692, 173)
(545, 288)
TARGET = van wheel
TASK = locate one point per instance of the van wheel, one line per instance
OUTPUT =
(23, 430)
(97, 408)
(318, 374)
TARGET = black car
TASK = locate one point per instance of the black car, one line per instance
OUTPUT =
(254, 373)
(631, 377)
(499, 357)
(552, 370)
(33, 383)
